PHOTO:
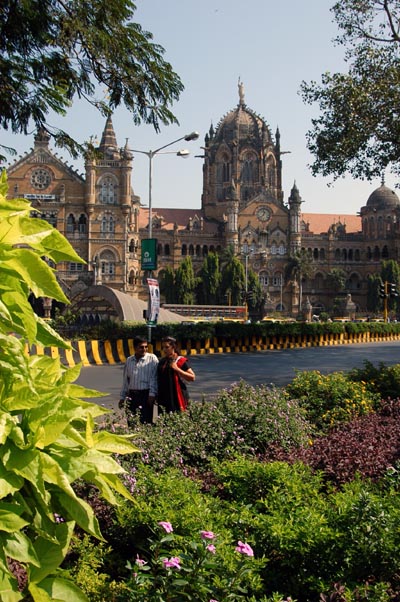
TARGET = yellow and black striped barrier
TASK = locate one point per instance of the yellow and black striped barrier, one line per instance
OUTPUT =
(97, 353)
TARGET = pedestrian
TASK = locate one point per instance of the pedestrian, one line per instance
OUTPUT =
(139, 384)
(173, 373)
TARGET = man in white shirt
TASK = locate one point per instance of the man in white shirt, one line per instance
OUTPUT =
(139, 384)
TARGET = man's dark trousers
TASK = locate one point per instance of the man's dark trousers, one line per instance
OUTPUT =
(138, 401)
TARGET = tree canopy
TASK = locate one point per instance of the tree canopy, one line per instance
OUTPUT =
(53, 52)
(358, 130)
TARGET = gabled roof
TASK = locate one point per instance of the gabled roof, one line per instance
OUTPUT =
(46, 157)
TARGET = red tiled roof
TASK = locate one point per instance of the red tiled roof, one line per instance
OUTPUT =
(320, 222)
(174, 216)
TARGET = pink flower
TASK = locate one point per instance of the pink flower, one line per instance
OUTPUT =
(244, 548)
(140, 561)
(172, 563)
(165, 525)
(212, 600)
(211, 548)
(207, 534)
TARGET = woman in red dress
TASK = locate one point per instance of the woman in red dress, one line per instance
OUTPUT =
(173, 372)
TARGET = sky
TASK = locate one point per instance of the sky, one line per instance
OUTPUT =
(272, 47)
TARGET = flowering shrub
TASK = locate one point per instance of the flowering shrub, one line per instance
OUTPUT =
(331, 398)
(178, 568)
(242, 420)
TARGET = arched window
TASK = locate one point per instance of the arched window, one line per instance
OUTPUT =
(191, 250)
(82, 223)
(184, 250)
(107, 263)
(226, 169)
(70, 223)
(357, 255)
(249, 173)
(107, 224)
(263, 278)
(166, 249)
(277, 279)
(108, 191)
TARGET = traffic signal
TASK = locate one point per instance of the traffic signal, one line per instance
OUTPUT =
(393, 290)
(382, 291)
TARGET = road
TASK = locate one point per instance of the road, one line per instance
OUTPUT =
(217, 371)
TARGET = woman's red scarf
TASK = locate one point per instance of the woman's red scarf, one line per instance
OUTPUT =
(181, 398)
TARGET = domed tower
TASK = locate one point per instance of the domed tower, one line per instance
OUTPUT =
(242, 150)
(381, 215)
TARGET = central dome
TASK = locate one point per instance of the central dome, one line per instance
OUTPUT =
(241, 124)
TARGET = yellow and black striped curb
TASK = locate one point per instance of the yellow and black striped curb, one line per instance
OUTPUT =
(113, 352)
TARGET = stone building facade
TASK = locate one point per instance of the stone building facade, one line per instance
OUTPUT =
(242, 204)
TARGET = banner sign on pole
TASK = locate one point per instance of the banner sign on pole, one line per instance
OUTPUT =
(149, 254)
(154, 302)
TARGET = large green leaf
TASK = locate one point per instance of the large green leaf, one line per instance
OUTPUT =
(48, 337)
(19, 547)
(57, 589)
(81, 513)
(108, 442)
(35, 272)
(9, 482)
(21, 313)
(26, 464)
(51, 554)
(10, 521)
(9, 588)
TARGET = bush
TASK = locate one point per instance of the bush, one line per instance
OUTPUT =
(367, 446)
(382, 380)
(332, 398)
(242, 420)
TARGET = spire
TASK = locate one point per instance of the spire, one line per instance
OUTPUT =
(295, 197)
(108, 145)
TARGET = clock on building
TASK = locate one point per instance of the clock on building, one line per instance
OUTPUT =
(263, 214)
(40, 178)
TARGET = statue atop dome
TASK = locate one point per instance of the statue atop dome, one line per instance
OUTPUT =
(241, 92)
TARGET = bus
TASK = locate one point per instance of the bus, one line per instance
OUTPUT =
(207, 312)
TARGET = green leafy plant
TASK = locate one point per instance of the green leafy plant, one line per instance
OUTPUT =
(331, 398)
(47, 434)
(176, 568)
(241, 420)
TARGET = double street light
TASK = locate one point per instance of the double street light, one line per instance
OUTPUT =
(151, 154)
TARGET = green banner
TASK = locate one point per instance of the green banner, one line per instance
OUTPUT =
(149, 254)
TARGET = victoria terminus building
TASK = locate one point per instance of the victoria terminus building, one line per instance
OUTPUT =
(243, 206)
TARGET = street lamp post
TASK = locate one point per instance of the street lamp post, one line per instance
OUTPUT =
(151, 154)
(246, 251)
